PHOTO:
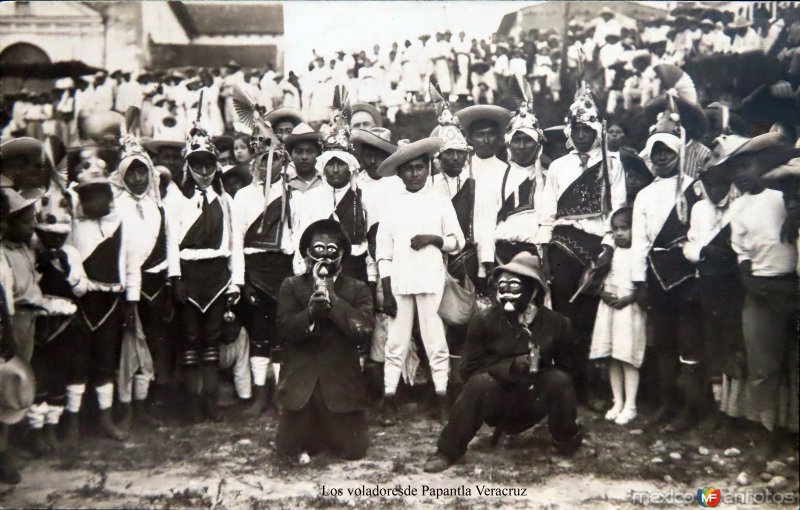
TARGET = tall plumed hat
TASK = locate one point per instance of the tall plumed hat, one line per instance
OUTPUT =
(449, 127)
(336, 134)
(199, 141)
(524, 118)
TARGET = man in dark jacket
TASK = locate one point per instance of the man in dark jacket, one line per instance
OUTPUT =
(516, 361)
(324, 319)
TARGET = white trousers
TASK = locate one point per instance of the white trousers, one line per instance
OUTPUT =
(237, 356)
(433, 338)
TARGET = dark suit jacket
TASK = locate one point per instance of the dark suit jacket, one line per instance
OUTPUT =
(328, 354)
(492, 343)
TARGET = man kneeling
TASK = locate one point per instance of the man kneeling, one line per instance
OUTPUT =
(324, 318)
(516, 358)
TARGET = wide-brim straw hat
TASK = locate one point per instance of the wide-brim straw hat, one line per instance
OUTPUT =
(409, 152)
(379, 138)
(470, 114)
(284, 113)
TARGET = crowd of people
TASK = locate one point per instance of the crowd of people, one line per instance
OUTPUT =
(158, 231)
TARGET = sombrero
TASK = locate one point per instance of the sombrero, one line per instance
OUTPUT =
(523, 264)
(473, 113)
(284, 113)
(302, 133)
(425, 147)
(377, 137)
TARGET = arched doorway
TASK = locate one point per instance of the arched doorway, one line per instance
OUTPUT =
(24, 53)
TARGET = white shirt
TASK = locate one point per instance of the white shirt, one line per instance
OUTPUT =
(650, 211)
(248, 204)
(142, 225)
(87, 234)
(707, 220)
(522, 226)
(750, 41)
(488, 174)
(318, 204)
(561, 174)
(417, 271)
(182, 214)
(377, 194)
(756, 222)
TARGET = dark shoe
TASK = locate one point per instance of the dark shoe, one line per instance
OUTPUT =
(72, 429)
(51, 437)
(663, 415)
(210, 409)
(141, 413)
(570, 446)
(441, 409)
(191, 409)
(108, 428)
(8, 472)
(437, 463)
(39, 447)
(124, 423)
(259, 404)
(684, 422)
(389, 411)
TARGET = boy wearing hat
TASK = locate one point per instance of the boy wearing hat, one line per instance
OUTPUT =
(516, 365)
(262, 259)
(581, 192)
(18, 229)
(199, 268)
(767, 265)
(109, 260)
(283, 120)
(323, 318)
(373, 146)
(304, 147)
(416, 229)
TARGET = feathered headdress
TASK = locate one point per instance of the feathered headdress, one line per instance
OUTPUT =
(199, 140)
(336, 134)
(524, 118)
(252, 115)
(449, 128)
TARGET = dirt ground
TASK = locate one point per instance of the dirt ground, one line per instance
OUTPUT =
(233, 465)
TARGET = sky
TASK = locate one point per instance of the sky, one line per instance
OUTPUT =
(358, 25)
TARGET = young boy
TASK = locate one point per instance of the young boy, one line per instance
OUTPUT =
(106, 253)
(767, 266)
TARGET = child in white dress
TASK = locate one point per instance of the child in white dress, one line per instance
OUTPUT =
(619, 331)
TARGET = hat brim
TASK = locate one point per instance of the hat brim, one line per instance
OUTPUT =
(291, 140)
(470, 114)
(24, 390)
(283, 113)
(24, 203)
(155, 145)
(24, 146)
(521, 270)
(425, 147)
(364, 137)
(325, 224)
(767, 141)
(693, 118)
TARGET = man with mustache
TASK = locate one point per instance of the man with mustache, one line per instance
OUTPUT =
(516, 361)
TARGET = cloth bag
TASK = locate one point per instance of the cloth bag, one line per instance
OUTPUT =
(458, 302)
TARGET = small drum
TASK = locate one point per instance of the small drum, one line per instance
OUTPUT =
(52, 318)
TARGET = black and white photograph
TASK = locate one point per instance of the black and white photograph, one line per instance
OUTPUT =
(399, 254)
